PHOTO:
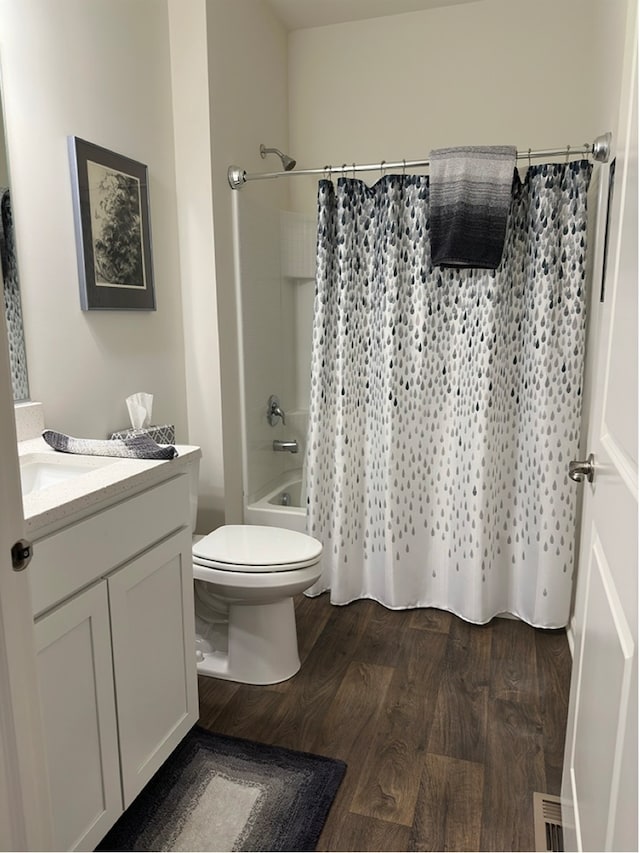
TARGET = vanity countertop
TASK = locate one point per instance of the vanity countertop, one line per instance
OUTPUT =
(73, 499)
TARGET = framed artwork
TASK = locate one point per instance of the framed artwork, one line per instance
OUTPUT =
(113, 236)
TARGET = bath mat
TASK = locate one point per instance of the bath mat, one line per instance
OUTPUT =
(221, 793)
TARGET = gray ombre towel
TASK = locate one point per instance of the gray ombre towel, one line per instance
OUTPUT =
(136, 447)
(469, 198)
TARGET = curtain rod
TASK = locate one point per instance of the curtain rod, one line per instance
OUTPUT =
(600, 151)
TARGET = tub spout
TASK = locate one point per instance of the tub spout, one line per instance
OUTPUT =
(286, 446)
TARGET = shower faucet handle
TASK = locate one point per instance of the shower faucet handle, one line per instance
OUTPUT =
(274, 411)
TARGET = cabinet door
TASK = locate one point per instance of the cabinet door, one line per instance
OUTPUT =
(75, 679)
(152, 625)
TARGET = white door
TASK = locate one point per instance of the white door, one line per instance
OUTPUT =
(599, 786)
(25, 822)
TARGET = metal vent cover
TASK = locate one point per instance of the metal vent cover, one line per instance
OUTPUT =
(547, 821)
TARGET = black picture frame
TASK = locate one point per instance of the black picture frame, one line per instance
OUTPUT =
(113, 233)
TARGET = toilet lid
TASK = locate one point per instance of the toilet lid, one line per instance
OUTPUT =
(253, 548)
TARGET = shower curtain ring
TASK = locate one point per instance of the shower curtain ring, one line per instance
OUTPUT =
(353, 166)
(382, 162)
(344, 170)
(404, 167)
(566, 159)
(529, 156)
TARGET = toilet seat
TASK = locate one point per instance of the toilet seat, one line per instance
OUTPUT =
(255, 548)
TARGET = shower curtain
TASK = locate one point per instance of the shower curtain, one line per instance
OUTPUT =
(445, 403)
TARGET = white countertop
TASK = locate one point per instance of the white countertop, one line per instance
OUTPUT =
(72, 499)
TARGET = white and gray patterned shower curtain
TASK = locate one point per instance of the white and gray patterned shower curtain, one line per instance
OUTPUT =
(445, 403)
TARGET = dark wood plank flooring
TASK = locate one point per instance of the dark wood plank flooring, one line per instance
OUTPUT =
(447, 728)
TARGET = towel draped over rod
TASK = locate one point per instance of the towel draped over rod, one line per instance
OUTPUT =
(600, 150)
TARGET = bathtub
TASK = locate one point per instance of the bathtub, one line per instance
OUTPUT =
(281, 506)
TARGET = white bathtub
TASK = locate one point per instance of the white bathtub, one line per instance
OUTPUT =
(272, 509)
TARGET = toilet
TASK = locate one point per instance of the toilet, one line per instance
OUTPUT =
(245, 577)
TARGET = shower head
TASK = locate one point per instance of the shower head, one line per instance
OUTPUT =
(288, 163)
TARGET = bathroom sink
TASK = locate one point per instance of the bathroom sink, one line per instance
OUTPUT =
(41, 470)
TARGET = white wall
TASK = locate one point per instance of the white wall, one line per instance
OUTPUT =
(248, 102)
(101, 69)
(607, 53)
(488, 72)
(276, 273)
(98, 69)
(229, 68)
(192, 127)
(4, 169)
(492, 72)
(264, 353)
(485, 73)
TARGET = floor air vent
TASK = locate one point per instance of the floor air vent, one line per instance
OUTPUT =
(547, 819)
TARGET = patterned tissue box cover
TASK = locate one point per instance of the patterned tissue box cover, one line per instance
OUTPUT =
(163, 434)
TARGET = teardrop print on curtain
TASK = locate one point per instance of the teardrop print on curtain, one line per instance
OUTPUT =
(445, 404)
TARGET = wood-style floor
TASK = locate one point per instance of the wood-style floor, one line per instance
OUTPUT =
(447, 728)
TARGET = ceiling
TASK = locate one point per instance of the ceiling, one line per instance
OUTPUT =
(300, 14)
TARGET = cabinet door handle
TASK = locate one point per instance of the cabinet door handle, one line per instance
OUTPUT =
(21, 554)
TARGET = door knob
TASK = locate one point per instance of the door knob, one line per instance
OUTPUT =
(578, 470)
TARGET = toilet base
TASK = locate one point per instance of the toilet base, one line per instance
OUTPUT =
(262, 645)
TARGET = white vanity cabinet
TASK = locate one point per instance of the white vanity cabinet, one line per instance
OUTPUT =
(114, 627)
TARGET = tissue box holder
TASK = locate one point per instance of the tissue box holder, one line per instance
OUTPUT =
(163, 434)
